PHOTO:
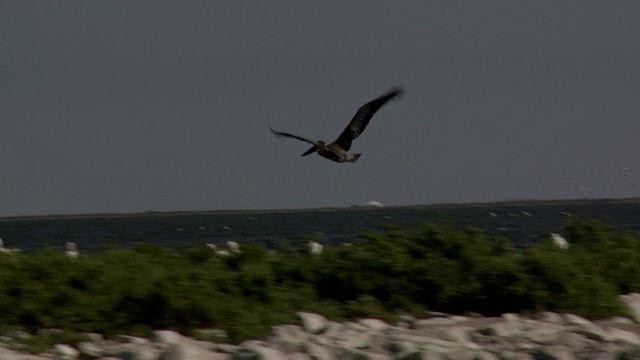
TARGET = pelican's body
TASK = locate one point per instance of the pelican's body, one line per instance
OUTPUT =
(338, 150)
(333, 152)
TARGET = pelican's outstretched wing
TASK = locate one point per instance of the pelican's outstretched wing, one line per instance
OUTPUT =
(362, 117)
(284, 134)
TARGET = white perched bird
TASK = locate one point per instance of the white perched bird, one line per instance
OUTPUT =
(559, 241)
(71, 250)
(315, 248)
(233, 246)
(215, 249)
(4, 250)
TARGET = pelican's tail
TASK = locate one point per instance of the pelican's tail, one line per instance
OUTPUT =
(310, 151)
(354, 158)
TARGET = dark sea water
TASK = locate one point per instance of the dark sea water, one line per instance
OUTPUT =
(524, 223)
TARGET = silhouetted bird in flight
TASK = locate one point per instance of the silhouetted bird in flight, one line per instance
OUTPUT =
(338, 150)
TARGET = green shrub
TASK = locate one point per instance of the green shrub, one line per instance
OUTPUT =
(440, 268)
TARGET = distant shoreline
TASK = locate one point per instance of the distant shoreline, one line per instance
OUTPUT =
(322, 209)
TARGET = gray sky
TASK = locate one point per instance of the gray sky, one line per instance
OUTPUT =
(122, 106)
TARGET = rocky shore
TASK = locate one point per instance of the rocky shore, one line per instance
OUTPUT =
(542, 336)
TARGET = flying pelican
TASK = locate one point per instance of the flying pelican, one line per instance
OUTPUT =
(338, 150)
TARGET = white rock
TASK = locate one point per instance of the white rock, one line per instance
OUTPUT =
(65, 351)
(406, 321)
(549, 317)
(484, 355)
(621, 320)
(552, 336)
(322, 340)
(344, 353)
(188, 350)
(431, 322)
(333, 330)
(467, 354)
(422, 355)
(503, 329)
(438, 314)
(624, 336)
(290, 338)
(128, 351)
(132, 339)
(375, 324)
(354, 339)
(515, 355)
(556, 352)
(459, 334)
(7, 354)
(583, 326)
(318, 352)
(259, 350)
(425, 342)
(313, 323)
(89, 349)
(439, 348)
(457, 318)
(355, 326)
(573, 319)
(226, 348)
(298, 356)
(632, 302)
(400, 347)
(510, 317)
(576, 342)
(546, 334)
(167, 337)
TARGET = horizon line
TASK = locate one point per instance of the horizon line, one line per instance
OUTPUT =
(507, 202)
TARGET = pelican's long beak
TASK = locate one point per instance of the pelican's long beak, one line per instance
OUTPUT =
(310, 151)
